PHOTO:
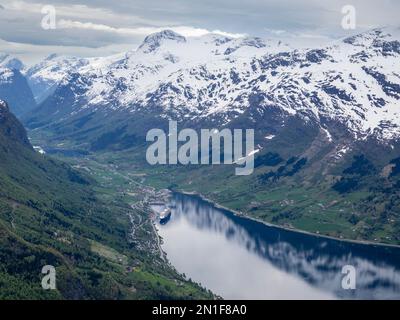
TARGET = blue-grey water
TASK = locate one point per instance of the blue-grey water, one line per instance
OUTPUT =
(238, 258)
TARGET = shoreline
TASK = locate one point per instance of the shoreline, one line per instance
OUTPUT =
(245, 216)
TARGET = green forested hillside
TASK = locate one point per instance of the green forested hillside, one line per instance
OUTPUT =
(50, 215)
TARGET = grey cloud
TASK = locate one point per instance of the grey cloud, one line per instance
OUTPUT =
(279, 18)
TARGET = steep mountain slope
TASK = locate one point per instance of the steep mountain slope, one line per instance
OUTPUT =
(354, 82)
(346, 94)
(127, 80)
(326, 121)
(50, 215)
(10, 62)
(14, 86)
(44, 77)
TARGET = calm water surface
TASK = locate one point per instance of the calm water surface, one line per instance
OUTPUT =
(238, 258)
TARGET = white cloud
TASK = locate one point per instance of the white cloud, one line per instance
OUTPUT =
(276, 32)
(95, 24)
(79, 11)
(31, 54)
(186, 31)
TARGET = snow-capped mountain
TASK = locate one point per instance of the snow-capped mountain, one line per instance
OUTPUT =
(45, 76)
(14, 87)
(10, 62)
(159, 56)
(354, 82)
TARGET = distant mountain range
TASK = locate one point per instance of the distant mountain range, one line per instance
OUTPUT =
(326, 118)
(353, 82)
(346, 94)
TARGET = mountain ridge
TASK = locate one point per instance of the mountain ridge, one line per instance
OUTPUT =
(14, 86)
(333, 82)
(326, 124)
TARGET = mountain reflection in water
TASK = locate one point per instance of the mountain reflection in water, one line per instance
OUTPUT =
(238, 258)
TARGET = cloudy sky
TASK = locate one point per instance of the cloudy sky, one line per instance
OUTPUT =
(101, 27)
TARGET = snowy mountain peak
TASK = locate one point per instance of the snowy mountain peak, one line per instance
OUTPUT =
(374, 37)
(354, 82)
(254, 42)
(51, 57)
(155, 40)
(9, 62)
(44, 76)
(257, 43)
(216, 39)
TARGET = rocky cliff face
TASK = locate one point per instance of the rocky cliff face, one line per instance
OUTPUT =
(11, 130)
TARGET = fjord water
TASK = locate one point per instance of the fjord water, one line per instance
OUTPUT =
(238, 258)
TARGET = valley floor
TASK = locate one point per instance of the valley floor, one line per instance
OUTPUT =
(322, 214)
